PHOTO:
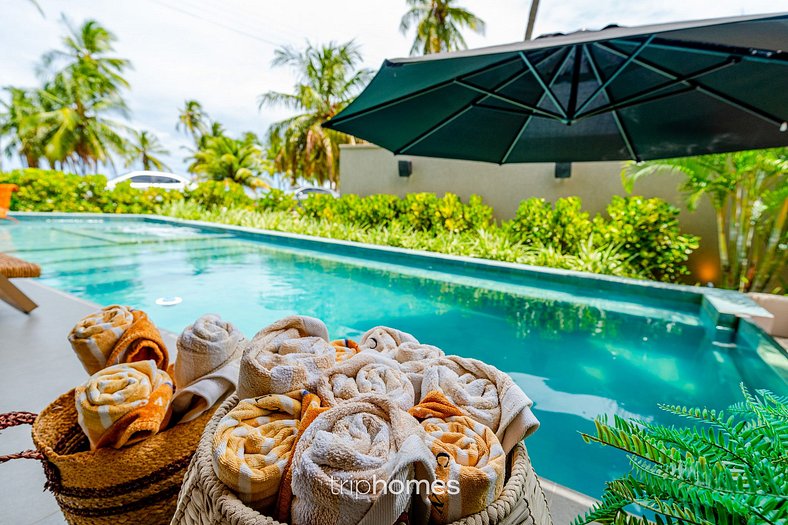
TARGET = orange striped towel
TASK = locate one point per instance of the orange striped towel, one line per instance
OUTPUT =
(469, 459)
(117, 334)
(284, 357)
(123, 404)
(345, 348)
(254, 442)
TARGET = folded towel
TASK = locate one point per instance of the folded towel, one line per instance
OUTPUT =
(483, 393)
(253, 444)
(117, 334)
(345, 348)
(352, 461)
(285, 356)
(364, 373)
(123, 404)
(469, 459)
(207, 367)
(398, 345)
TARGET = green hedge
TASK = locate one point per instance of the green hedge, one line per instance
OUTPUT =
(637, 237)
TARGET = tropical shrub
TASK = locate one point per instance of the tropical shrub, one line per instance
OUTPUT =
(562, 225)
(220, 194)
(640, 240)
(748, 191)
(276, 200)
(733, 470)
(648, 230)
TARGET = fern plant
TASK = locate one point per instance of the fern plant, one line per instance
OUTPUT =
(731, 469)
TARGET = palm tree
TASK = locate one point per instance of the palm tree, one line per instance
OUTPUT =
(15, 124)
(192, 119)
(145, 148)
(86, 60)
(328, 79)
(76, 127)
(224, 158)
(439, 25)
(749, 193)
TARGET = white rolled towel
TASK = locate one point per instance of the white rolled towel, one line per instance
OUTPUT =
(483, 393)
(353, 463)
(398, 345)
(207, 365)
(365, 373)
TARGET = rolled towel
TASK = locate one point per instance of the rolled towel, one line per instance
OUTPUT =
(123, 404)
(284, 357)
(385, 340)
(253, 444)
(469, 459)
(207, 367)
(364, 373)
(117, 334)
(483, 393)
(398, 345)
(352, 461)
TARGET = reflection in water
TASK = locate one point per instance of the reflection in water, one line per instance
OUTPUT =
(575, 357)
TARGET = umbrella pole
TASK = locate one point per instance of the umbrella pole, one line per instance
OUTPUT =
(529, 30)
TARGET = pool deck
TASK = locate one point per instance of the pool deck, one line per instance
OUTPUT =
(37, 365)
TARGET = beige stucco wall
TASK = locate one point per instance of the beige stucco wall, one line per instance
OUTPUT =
(366, 169)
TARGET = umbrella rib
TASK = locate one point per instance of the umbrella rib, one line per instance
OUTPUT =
(744, 54)
(619, 124)
(706, 90)
(544, 86)
(417, 93)
(455, 115)
(630, 58)
(528, 119)
(650, 96)
(508, 100)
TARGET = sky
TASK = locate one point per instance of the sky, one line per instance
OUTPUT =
(219, 52)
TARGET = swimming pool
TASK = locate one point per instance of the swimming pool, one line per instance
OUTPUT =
(578, 347)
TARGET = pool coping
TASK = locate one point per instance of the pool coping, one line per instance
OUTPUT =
(719, 309)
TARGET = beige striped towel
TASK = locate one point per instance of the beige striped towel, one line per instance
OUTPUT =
(206, 370)
(285, 356)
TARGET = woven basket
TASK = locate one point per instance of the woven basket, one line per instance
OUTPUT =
(137, 484)
(204, 500)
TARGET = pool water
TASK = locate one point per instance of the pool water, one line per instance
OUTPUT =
(575, 357)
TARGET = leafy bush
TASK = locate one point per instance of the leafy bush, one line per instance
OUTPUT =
(641, 238)
(562, 225)
(220, 194)
(733, 471)
(648, 230)
(276, 200)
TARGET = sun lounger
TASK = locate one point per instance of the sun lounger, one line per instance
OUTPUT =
(10, 268)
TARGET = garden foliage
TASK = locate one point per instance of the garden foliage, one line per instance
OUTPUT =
(732, 470)
(637, 238)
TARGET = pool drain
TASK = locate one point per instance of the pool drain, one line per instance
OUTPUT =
(169, 301)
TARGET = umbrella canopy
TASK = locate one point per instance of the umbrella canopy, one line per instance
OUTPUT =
(637, 93)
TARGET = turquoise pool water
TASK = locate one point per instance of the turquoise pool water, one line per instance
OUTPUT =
(575, 354)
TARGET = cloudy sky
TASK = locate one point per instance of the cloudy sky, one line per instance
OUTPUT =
(219, 51)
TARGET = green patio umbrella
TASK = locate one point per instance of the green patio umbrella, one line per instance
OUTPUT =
(640, 93)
